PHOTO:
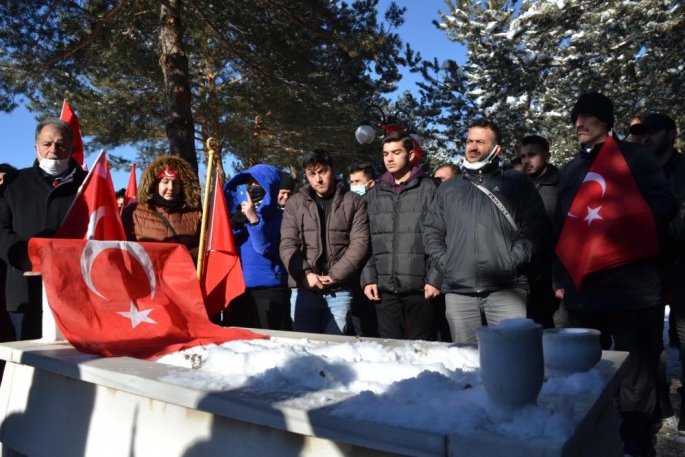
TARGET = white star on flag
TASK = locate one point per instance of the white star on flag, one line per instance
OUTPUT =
(592, 214)
(137, 316)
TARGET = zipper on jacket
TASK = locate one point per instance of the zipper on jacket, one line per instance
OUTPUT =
(328, 238)
(394, 238)
(475, 231)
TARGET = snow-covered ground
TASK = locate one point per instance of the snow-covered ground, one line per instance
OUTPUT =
(418, 385)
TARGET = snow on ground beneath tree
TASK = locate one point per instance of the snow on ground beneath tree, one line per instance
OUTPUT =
(432, 387)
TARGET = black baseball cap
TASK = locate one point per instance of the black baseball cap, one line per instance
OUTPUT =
(654, 121)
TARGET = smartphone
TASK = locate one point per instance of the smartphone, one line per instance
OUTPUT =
(242, 193)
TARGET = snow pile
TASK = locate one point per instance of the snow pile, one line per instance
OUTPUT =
(423, 386)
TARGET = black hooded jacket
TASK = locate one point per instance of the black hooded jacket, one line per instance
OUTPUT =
(470, 241)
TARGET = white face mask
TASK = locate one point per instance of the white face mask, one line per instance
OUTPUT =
(53, 167)
(478, 165)
(359, 189)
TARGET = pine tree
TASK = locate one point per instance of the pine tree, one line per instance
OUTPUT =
(268, 78)
(529, 60)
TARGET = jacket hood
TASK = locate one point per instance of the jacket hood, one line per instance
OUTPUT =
(190, 185)
(416, 173)
(267, 176)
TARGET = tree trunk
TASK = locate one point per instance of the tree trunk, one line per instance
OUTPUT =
(174, 62)
(255, 146)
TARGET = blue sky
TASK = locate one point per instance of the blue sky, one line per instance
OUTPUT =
(17, 128)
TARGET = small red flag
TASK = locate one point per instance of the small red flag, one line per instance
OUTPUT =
(94, 214)
(609, 223)
(70, 118)
(119, 298)
(131, 188)
(222, 275)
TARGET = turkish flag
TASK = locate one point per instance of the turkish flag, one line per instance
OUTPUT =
(131, 188)
(94, 214)
(609, 223)
(119, 298)
(222, 275)
(70, 118)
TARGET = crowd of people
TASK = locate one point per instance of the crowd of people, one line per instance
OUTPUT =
(415, 256)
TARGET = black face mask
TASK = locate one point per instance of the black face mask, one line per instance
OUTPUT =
(162, 203)
(257, 194)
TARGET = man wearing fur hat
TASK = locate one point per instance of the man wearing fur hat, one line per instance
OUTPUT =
(168, 208)
(33, 203)
(613, 204)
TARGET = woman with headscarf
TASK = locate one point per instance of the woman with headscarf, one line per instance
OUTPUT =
(256, 225)
(169, 206)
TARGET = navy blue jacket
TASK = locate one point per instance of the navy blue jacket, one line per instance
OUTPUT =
(258, 244)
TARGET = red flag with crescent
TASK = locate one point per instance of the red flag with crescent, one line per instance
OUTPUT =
(131, 188)
(609, 223)
(222, 274)
(94, 214)
(119, 298)
(70, 118)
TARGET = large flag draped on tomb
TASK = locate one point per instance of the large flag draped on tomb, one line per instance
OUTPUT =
(609, 223)
(118, 298)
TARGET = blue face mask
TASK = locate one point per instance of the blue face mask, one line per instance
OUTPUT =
(359, 189)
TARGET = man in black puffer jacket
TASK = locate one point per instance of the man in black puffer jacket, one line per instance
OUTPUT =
(397, 277)
(481, 251)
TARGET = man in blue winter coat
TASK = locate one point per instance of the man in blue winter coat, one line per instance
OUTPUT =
(256, 224)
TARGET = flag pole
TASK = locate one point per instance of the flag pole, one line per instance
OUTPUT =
(211, 143)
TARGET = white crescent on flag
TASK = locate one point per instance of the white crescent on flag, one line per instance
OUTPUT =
(592, 176)
(93, 248)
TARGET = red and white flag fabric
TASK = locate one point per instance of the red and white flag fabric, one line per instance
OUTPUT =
(131, 188)
(118, 298)
(94, 214)
(609, 223)
(222, 275)
(70, 118)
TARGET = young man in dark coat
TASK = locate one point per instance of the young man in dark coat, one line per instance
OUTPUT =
(534, 153)
(324, 243)
(483, 247)
(623, 301)
(33, 203)
(397, 277)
